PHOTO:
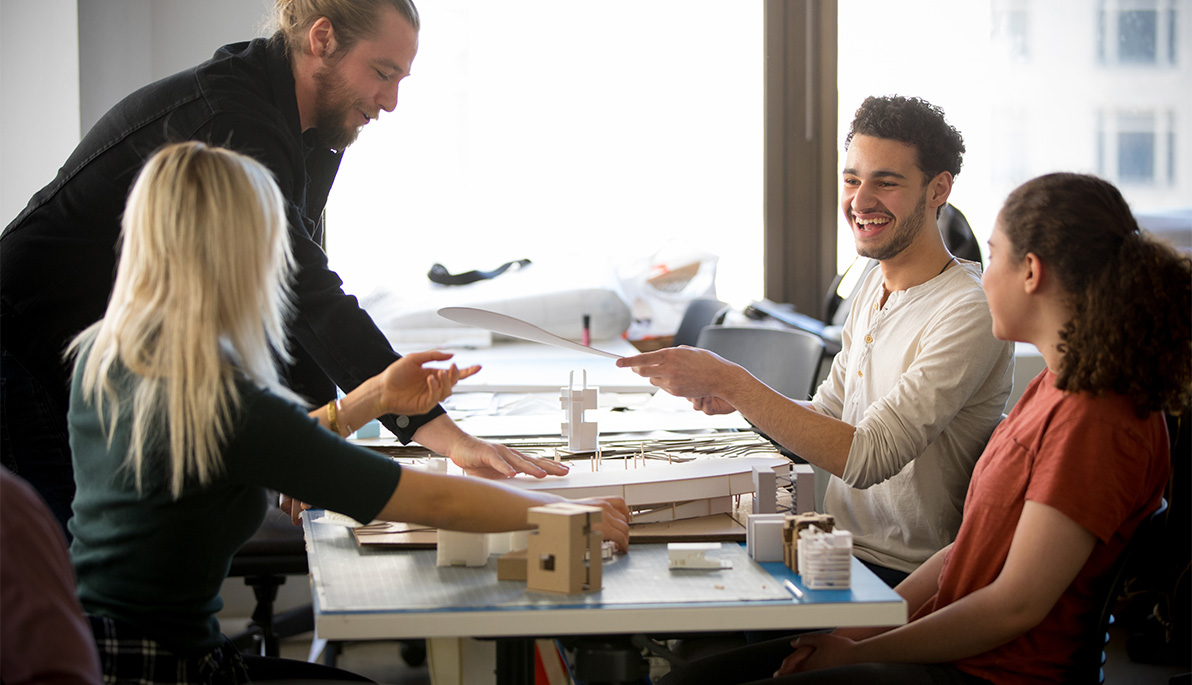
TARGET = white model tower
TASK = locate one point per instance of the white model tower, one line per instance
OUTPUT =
(581, 435)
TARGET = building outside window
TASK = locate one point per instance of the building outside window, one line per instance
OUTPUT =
(1142, 32)
(1034, 87)
(1136, 141)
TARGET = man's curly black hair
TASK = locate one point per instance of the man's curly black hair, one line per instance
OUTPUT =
(916, 122)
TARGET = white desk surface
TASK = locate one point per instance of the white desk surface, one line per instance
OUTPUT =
(362, 594)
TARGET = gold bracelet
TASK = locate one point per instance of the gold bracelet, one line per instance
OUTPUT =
(333, 416)
(333, 409)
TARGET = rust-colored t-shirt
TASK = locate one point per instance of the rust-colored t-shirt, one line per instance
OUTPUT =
(1092, 459)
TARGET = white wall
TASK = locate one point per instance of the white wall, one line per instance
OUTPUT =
(63, 63)
(114, 51)
(39, 96)
(125, 44)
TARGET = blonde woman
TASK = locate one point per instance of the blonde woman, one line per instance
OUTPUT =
(179, 423)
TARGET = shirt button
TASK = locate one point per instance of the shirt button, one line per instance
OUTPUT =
(869, 338)
(860, 375)
(876, 306)
(403, 421)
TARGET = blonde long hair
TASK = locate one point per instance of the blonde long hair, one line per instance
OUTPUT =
(201, 295)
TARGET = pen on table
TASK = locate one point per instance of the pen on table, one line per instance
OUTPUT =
(587, 331)
(794, 589)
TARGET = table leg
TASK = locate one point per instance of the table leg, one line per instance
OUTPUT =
(515, 661)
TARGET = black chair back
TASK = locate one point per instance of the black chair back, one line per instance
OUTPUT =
(1088, 665)
(700, 312)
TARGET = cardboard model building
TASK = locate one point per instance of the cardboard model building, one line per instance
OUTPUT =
(564, 553)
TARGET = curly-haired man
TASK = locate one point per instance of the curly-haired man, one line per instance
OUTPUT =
(920, 383)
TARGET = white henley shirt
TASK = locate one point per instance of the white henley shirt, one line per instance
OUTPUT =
(924, 382)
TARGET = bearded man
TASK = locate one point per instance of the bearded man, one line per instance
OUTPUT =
(920, 383)
(293, 101)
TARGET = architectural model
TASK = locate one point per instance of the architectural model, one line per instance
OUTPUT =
(795, 525)
(763, 537)
(581, 435)
(564, 554)
(461, 549)
(694, 556)
(825, 559)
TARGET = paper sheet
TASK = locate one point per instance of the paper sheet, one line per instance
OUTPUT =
(516, 328)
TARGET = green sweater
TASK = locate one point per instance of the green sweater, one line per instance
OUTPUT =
(158, 563)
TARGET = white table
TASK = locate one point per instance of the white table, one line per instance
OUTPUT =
(370, 594)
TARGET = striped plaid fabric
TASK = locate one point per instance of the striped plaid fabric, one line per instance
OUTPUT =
(126, 656)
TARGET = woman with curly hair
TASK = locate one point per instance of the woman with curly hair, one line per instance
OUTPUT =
(1066, 478)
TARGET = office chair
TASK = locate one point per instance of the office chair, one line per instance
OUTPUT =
(785, 359)
(276, 550)
(700, 312)
(1088, 664)
(1158, 617)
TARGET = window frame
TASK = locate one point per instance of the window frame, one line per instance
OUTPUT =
(800, 156)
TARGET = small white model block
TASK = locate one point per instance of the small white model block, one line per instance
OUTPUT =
(802, 489)
(825, 559)
(461, 549)
(693, 555)
(763, 536)
(765, 490)
(502, 543)
(581, 435)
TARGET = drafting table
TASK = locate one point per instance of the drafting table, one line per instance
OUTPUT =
(370, 594)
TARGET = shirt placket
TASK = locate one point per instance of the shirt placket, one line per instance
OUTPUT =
(864, 357)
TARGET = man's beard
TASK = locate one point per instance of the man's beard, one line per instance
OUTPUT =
(333, 105)
(904, 235)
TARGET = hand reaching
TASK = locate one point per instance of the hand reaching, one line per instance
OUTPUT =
(683, 371)
(614, 524)
(492, 460)
(407, 387)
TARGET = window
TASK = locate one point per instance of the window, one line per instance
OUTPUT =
(1135, 149)
(551, 131)
(561, 132)
(1139, 148)
(1065, 85)
(1138, 32)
